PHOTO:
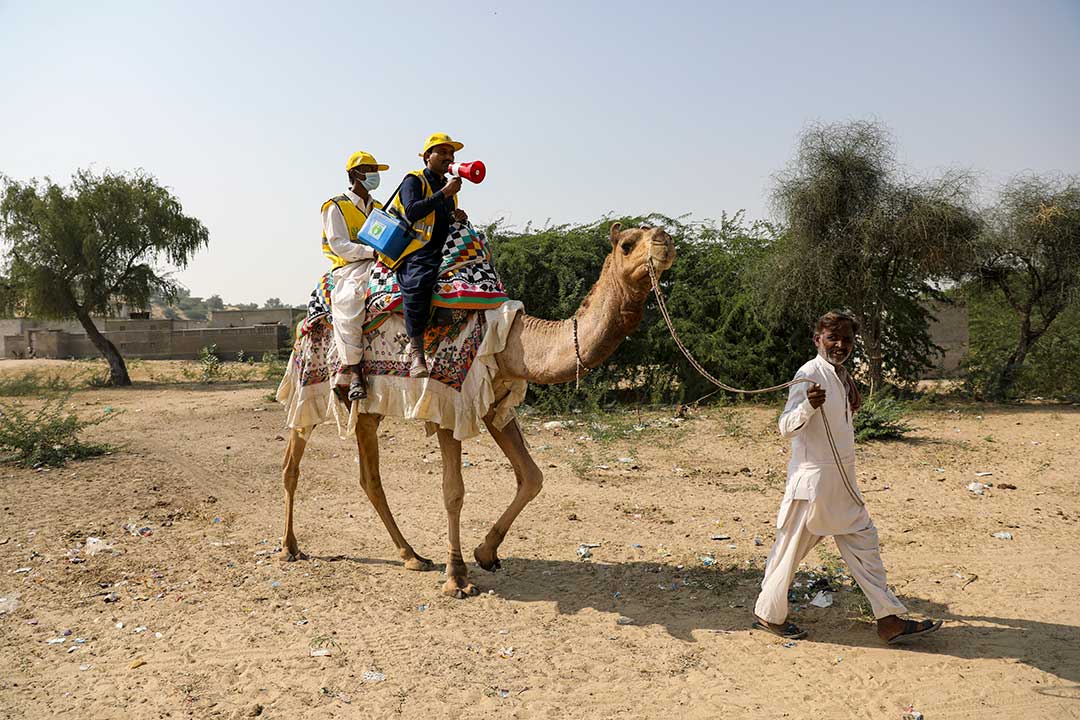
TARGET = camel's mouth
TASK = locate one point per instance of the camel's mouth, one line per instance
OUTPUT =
(662, 254)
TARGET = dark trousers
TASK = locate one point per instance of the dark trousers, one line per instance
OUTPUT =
(416, 276)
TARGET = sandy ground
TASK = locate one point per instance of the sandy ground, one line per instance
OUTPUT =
(214, 626)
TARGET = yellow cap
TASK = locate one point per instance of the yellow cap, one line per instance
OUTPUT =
(440, 139)
(362, 158)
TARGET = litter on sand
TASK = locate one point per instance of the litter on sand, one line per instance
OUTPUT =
(94, 545)
(374, 676)
(822, 600)
(623, 620)
(320, 652)
(584, 550)
(983, 473)
(1002, 535)
(910, 713)
(977, 487)
(720, 537)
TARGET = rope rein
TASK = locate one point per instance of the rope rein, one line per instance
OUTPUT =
(724, 386)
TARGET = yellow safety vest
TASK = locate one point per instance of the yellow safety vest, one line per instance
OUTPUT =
(354, 220)
(422, 228)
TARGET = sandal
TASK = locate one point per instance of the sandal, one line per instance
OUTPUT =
(913, 629)
(788, 631)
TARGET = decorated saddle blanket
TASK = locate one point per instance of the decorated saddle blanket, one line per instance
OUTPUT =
(467, 281)
(463, 388)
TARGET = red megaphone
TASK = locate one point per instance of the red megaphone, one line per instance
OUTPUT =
(472, 171)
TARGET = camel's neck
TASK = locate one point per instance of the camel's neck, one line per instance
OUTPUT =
(542, 351)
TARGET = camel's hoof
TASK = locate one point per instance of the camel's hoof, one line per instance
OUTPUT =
(419, 563)
(488, 560)
(459, 592)
(287, 555)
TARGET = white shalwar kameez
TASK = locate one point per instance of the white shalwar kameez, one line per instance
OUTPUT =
(819, 502)
(350, 281)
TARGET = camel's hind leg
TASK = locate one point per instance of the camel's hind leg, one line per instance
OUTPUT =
(367, 443)
(290, 473)
(529, 481)
(457, 575)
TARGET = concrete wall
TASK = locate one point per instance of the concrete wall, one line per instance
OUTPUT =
(156, 343)
(950, 331)
(247, 318)
(21, 326)
(148, 324)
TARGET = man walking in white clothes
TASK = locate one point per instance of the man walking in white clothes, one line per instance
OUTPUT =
(821, 497)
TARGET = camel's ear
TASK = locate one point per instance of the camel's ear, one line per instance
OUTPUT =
(616, 228)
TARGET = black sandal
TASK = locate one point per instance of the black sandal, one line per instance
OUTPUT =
(357, 390)
(788, 631)
(913, 629)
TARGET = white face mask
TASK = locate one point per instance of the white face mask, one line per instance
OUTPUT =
(370, 181)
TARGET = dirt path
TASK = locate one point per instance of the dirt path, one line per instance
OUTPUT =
(225, 630)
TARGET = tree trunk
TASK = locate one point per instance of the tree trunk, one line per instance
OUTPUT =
(1005, 380)
(118, 374)
(872, 344)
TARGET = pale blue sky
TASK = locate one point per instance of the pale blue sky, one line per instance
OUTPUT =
(249, 110)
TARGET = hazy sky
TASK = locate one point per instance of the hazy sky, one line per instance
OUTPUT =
(249, 110)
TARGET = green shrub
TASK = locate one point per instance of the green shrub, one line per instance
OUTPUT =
(210, 364)
(47, 436)
(33, 383)
(881, 418)
(273, 366)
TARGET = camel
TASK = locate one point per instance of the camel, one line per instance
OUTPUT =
(539, 351)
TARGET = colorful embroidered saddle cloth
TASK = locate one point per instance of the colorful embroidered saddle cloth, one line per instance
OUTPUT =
(467, 281)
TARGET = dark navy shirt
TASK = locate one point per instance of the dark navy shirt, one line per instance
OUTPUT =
(416, 206)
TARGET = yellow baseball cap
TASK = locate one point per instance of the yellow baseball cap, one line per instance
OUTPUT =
(440, 139)
(363, 158)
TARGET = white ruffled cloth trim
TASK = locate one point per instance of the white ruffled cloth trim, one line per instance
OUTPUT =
(425, 399)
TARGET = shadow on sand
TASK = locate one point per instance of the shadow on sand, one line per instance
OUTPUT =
(721, 599)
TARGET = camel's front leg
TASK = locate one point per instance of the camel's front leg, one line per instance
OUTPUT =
(367, 442)
(457, 575)
(529, 481)
(290, 473)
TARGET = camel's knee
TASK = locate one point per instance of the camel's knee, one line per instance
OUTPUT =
(454, 499)
(290, 477)
(532, 482)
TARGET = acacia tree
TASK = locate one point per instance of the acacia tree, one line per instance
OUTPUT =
(82, 250)
(1031, 254)
(863, 235)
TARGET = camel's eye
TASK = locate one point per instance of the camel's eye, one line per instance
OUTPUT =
(627, 247)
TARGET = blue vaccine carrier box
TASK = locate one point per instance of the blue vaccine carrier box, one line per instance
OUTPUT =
(387, 233)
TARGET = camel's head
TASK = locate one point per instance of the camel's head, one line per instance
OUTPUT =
(632, 248)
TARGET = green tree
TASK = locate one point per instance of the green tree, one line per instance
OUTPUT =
(81, 250)
(1031, 256)
(214, 302)
(273, 304)
(864, 236)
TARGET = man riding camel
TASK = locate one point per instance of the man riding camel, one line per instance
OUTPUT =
(428, 201)
(343, 216)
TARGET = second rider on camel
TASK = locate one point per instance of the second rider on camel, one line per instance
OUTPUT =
(428, 201)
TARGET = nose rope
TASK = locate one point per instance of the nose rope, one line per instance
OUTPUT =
(848, 483)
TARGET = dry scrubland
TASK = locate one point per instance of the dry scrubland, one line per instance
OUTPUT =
(655, 622)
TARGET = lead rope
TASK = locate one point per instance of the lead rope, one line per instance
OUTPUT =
(724, 386)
